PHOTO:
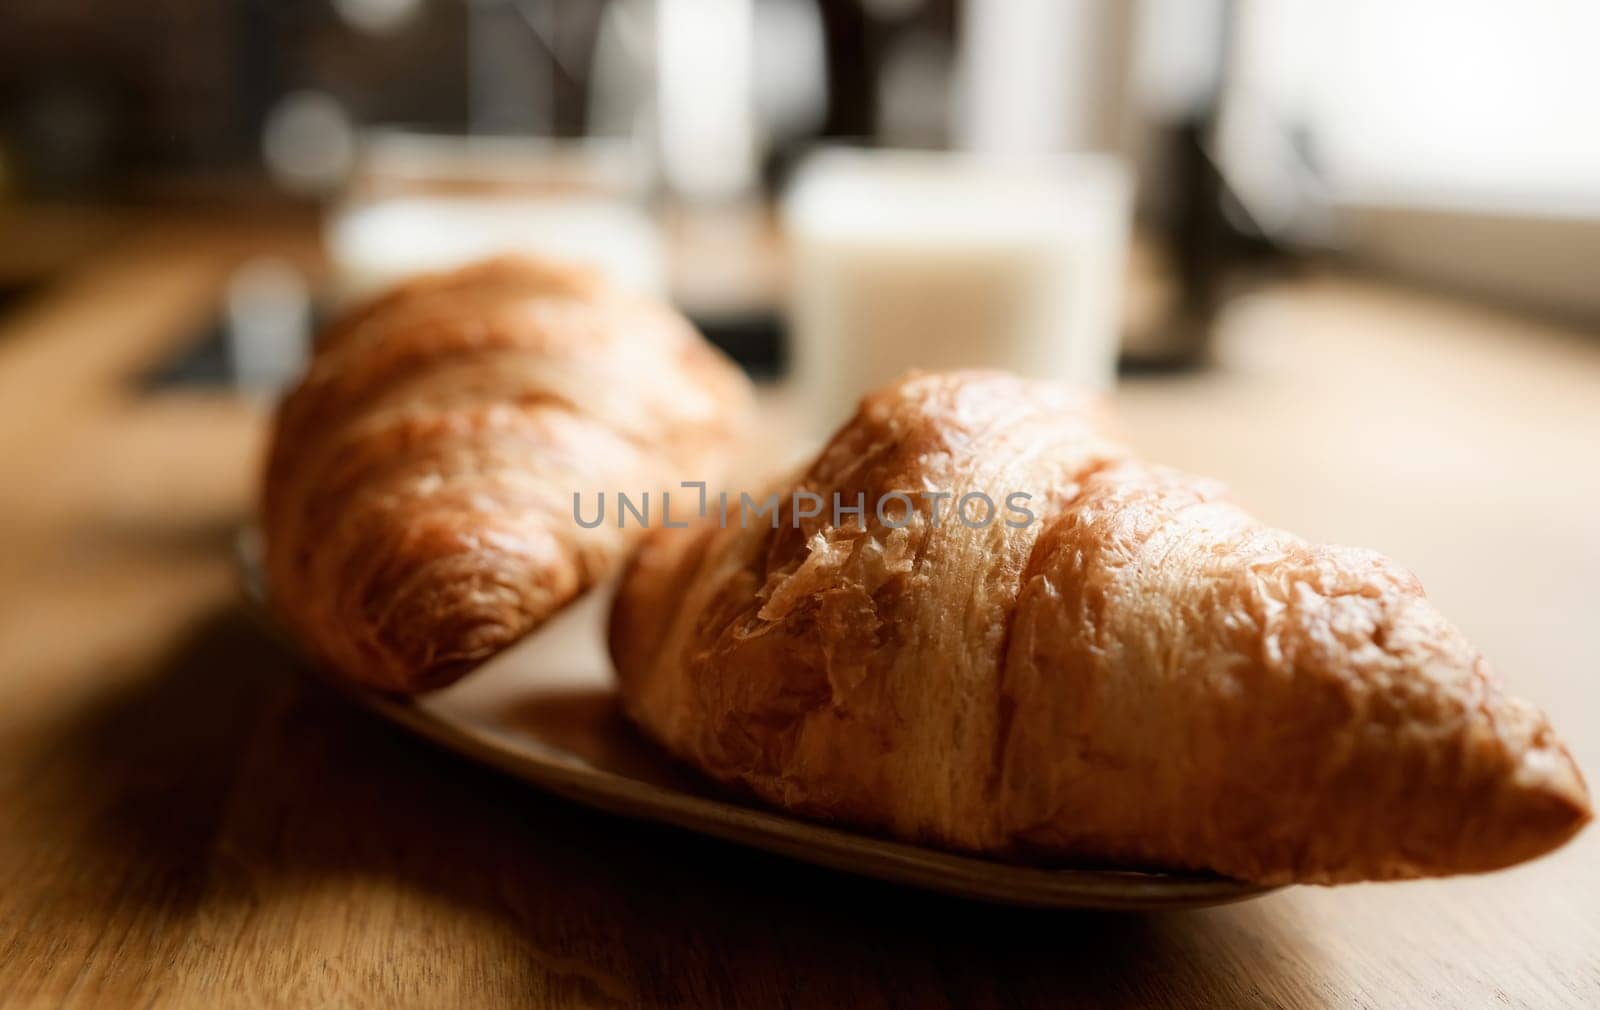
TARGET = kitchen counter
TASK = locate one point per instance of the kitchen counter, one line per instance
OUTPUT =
(187, 820)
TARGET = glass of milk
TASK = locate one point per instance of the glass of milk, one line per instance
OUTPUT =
(420, 203)
(903, 259)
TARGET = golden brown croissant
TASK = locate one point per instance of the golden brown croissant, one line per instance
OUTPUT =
(418, 504)
(1142, 676)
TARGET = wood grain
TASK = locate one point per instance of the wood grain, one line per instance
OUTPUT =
(185, 821)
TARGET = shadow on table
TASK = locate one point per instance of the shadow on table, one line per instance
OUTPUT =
(235, 803)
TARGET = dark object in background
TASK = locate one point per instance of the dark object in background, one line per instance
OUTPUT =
(98, 98)
(758, 341)
(1197, 237)
(61, 134)
(754, 340)
(200, 362)
(1214, 248)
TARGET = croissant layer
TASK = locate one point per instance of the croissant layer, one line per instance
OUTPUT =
(1142, 676)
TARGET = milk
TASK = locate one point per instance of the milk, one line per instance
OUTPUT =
(920, 260)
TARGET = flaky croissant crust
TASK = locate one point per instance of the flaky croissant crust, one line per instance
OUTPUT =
(1145, 676)
(417, 503)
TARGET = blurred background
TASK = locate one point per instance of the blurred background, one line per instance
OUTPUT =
(1344, 256)
(1094, 180)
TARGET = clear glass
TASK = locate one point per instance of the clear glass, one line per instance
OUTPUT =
(904, 260)
(418, 203)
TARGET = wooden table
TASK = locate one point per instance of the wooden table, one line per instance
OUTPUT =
(185, 821)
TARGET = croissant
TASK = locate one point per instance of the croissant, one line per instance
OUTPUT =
(1134, 674)
(417, 507)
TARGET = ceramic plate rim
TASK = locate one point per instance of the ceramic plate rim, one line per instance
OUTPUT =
(566, 774)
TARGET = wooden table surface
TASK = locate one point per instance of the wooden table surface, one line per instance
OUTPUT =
(185, 821)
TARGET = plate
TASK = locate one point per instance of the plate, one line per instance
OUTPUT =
(546, 711)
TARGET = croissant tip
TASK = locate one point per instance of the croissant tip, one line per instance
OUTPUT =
(1543, 808)
(1560, 804)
